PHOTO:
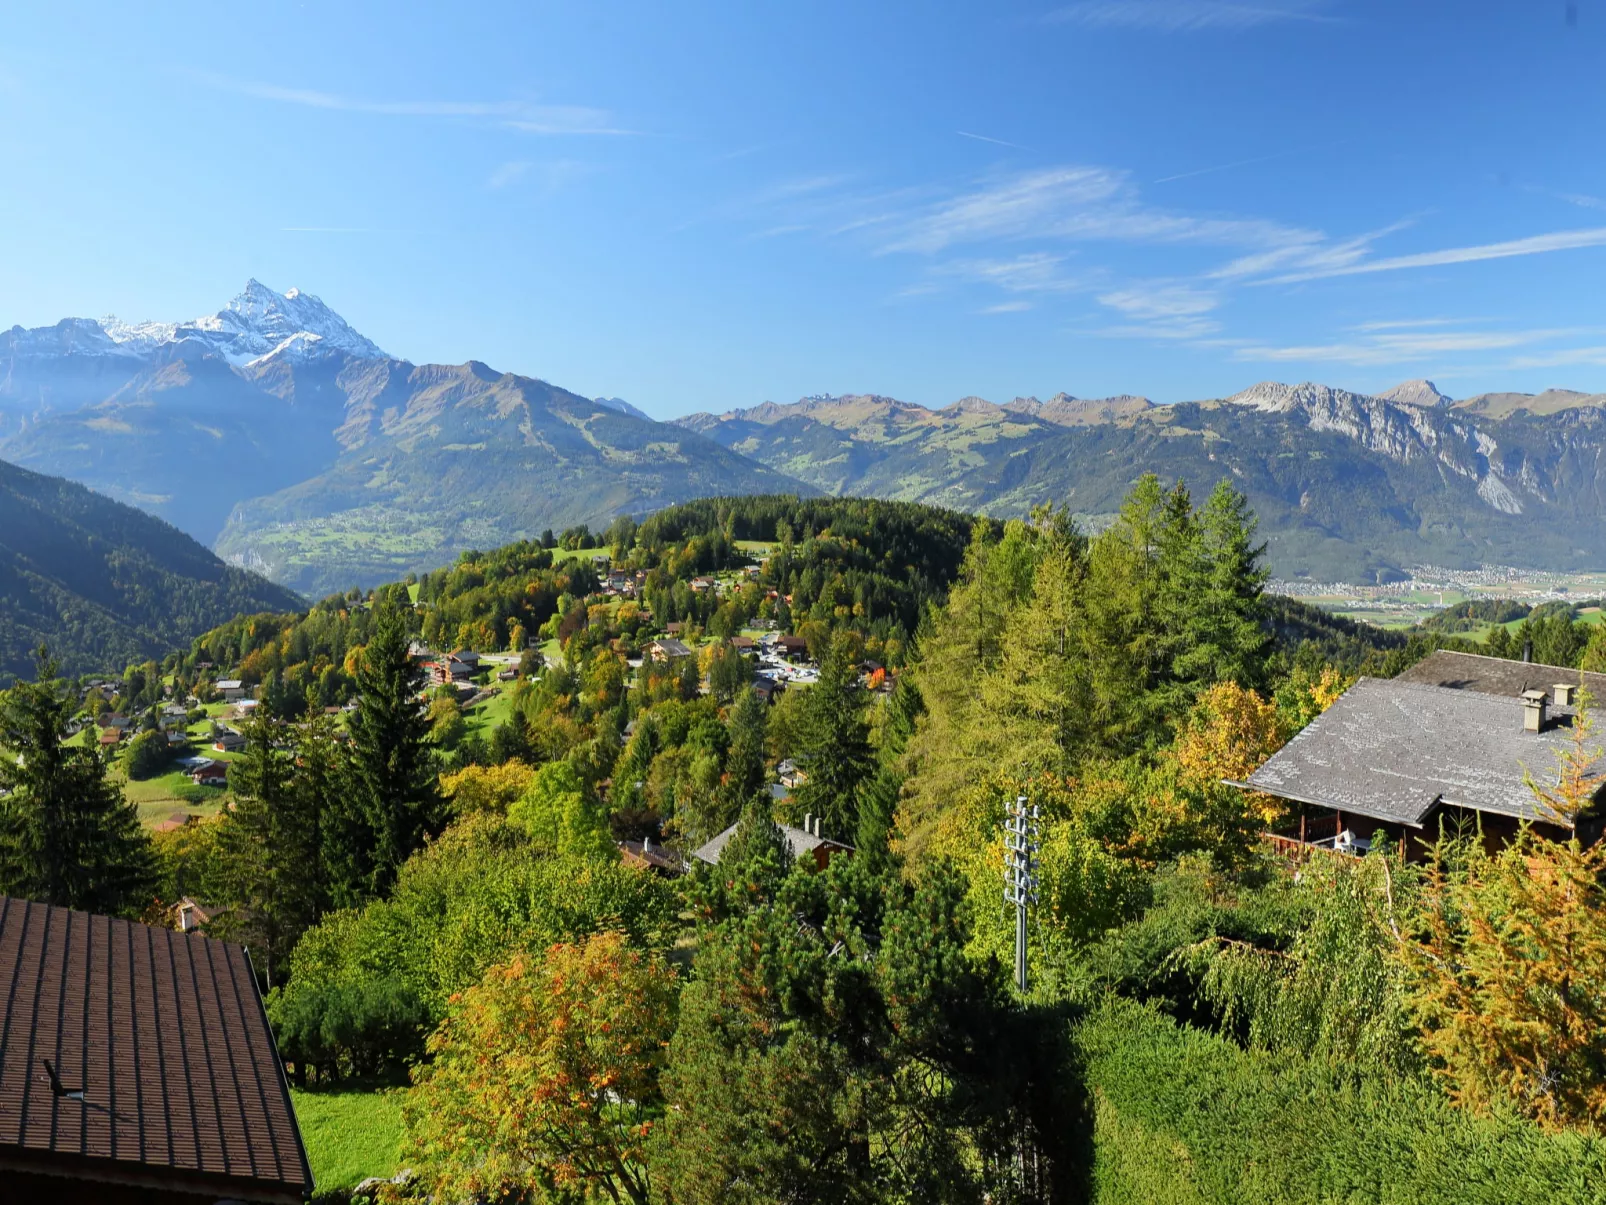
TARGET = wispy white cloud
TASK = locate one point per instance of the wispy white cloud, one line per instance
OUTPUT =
(1538, 244)
(1161, 309)
(1006, 307)
(514, 114)
(1076, 203)
(1403, 347)
(1160, 299)
(995, 141)
(508, 172)
(1038, 272)
(1187, 16)
(1411, 323)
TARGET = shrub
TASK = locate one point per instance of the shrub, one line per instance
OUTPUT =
(147, 755)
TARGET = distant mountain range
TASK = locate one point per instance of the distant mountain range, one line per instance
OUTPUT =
(297, 446)
(300, 448)
(104, 584)
(1347, 486)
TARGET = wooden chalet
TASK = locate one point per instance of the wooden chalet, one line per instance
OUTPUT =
(1453, 742)
(137, 1068)
(806, 844)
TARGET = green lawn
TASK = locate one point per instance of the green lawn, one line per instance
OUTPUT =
(350, 1135)
(483, 719)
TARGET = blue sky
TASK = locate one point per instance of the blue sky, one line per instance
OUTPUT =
(698, 206)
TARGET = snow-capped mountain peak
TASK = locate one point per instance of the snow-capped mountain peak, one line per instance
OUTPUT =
(256, 325)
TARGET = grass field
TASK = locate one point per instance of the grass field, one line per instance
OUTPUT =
(483, 719)
(350, 1135)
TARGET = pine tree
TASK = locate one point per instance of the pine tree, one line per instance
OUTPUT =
(836, 752)
(67, 836)
(392, 803)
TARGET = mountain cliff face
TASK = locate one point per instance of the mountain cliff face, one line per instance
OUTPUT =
(1347, 486)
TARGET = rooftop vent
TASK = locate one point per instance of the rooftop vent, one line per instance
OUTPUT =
(1566, 693)
(1533, 710)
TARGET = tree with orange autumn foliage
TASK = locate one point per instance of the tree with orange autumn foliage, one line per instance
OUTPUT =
(1508, 964)
(544, 1078)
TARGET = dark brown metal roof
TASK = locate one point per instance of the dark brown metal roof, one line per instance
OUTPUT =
(165, 1036)
(1497, 675)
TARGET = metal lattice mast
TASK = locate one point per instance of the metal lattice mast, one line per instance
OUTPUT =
(1020, 874)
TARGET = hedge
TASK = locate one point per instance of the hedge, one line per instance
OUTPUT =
(1182, 1117)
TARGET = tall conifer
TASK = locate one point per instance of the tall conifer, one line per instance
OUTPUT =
(67, 835)
(392, 802)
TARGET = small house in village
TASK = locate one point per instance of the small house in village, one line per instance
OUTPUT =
(806, 843)
(648, 854)
(793, 648)
(1457, 740)
(137, 1066)
(230, 690)
(210, 774)
(700, 585)
(667, 650)
(226, 740)
(743, 644)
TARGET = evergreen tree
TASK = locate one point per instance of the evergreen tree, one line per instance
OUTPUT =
(878, 800)
(392, 804)
(272, 840)
(1224, 630)
(745, 771)
(836, 742)
(67, 836)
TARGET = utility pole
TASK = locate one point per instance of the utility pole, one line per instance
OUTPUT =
(1020, 874)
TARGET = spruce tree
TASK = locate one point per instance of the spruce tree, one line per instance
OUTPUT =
(67, 835)
(878, 799)
(744, 762)
(392, 801)
(836, 752)
(1224, 634)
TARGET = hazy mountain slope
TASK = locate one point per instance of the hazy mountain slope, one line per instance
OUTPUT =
(864, 444)
(105, 584)
(1551, 401)
(185, 438)
(1347, 486)
(438, 459)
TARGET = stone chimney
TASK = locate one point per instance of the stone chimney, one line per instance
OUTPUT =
(1566, 692)
(1533, 710)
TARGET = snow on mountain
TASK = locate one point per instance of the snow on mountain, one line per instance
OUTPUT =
(257, 324)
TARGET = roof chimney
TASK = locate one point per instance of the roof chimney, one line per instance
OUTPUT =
(1527, 650)
(808, 822)
(1533, 710)
(1566, 692)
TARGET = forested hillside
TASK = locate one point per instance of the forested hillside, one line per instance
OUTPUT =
(105, 584)
(527, 930)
